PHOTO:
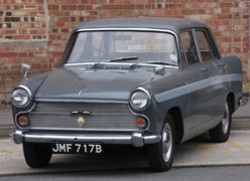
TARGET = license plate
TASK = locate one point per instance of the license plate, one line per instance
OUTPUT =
(76, 148)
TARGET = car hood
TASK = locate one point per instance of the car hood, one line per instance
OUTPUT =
(92, 83)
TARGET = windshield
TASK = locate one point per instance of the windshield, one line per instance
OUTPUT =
(145, 46)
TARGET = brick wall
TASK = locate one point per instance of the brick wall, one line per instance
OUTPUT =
(36, 31)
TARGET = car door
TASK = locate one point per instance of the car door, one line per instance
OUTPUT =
(198, 81)
(213, 68)
(209, 54)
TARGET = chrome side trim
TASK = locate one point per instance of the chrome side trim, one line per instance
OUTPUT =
(137, 139)
(192, 87)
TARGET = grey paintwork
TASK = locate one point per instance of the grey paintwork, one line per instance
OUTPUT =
(195, 94)
(83, 82)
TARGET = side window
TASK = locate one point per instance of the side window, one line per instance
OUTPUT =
(188, 48)
(204, 46)
(78, 48)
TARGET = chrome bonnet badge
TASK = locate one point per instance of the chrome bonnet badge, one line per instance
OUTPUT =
(80, 121)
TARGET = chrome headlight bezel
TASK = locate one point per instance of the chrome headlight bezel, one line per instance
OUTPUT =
(21, 97)
(140, 99)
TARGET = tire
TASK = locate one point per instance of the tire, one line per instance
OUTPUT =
(161, 155)
(37, 155)
(222, 131)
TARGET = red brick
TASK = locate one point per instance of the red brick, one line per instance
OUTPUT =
(8, 54)
(21, 37)
(26, 20)
(228, 4)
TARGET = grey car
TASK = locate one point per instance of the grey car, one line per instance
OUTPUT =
(141, 82)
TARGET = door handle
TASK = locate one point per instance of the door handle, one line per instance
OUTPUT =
(206, 71)
(224, 67)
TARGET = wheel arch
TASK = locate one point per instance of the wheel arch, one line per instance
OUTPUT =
(231, 100)
(175, 113)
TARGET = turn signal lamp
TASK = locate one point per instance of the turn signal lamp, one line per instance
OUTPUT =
(23, 121)
(141, 123)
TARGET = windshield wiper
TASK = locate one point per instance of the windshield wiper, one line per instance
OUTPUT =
(104, 64)
(161, 63)
(123, 59)
(118, 59)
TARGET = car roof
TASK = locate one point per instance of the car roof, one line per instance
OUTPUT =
(173, 24)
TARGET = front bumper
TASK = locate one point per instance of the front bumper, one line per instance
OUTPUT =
(135, 139)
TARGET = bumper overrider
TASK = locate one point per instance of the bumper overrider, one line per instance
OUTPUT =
(135, 139)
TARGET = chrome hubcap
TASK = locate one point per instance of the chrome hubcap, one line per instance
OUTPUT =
(167, 142)
(225, 120)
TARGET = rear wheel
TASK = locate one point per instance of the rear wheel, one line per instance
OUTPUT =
(221, 132)
(36, 155)
(161, 155)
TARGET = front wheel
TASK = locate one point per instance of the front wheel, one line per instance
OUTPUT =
(36, 155)
(222, 131)
(161, 155)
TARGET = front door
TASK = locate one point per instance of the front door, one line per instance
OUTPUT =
(199, 74)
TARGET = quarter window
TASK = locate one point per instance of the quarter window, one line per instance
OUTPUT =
(203, 46)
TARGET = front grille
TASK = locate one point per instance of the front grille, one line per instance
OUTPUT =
(101, 116)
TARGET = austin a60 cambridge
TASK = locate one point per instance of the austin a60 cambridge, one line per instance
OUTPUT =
(142, 82)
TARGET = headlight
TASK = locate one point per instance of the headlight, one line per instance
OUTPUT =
(21, 97)
(140, 99)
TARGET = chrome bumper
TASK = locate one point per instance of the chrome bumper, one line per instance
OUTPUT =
(243, 100)
(136, 139)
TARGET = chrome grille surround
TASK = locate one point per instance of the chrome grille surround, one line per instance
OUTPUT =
(99, 117)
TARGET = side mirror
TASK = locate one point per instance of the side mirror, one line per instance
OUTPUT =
(25, 70)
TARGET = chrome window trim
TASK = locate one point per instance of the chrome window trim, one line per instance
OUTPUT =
(127, 29)
(137, 29)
